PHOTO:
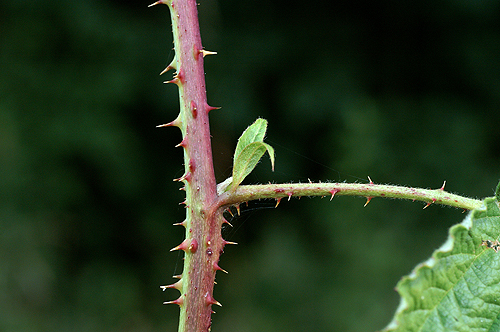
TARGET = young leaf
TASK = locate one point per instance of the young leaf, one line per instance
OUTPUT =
(246, 161)
(254, 133)
(249, 150)
(458, 288)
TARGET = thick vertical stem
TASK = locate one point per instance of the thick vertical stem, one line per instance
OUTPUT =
(203, 243)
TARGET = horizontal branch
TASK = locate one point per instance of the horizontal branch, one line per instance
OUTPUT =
(245, 193)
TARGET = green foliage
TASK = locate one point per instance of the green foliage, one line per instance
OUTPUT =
(458, 288)
(249, 150)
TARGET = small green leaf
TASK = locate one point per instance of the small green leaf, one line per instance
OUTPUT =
(249, 150)
(458, 288)
(246, 161)
(254, 133)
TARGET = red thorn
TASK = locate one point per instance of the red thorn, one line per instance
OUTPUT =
(227, 222)
(181, 144)
(289, 196)
(433, 200)
(180, 76)
(193, 246)
(192, 166)
(368, 199)
(176, 285)
(209, 108)
(182, 246)
(238, 209)
(333, 192)
(218, 268)
(157, 3)
(175, 123)
(175, 81)
(209, 300)
(278, 200)
(229, 210)
(193, 109)
(442, 187)
(179, 301)
(371, 182)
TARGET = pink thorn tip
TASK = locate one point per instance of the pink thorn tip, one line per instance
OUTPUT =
(182, 246)
(178, 301)
(368, 199)
(218, 268)
(427, 205)
(442, 187)
(333, 192)
(169, 67)
(278, 200)
(157, 3)
(177, 285)
(371, 182)
(210, 300)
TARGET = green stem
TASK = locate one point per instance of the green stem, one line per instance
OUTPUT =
(369, 190)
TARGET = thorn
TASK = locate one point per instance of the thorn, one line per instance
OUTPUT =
(371, 182)
(238, 209)
(333, 192)
(176, 285)
(368, 199)
(193, 246)
(227, 222)
(229, 242)
(181, 223)
(205, 53)
(289, 196)
(210, 300)
(278, 200)
(179, 276)
(182, 246)
(175, 123)
(211, 108)
(182, 143)
(229, 210)
(159, 2)
(433, 200)
(178, 301)
(442, 187)
(175, 81)
(218, 268)
(309, 180)
(171, 65)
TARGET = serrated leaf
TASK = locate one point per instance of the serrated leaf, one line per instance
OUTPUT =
(458, 288)
(254, 133)
(245, 162)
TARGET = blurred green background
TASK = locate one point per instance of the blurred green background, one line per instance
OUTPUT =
(405, 92)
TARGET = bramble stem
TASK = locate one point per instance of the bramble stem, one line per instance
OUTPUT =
(369, 190)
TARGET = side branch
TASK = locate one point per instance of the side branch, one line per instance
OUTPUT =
(247, 193)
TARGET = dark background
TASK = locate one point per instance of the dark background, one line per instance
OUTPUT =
(405, 92)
